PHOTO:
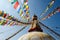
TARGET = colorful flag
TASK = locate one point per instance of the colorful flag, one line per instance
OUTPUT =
(20, 7)
(51, 3)
(25, 0)
(16, 4)
(11, 23)
(4, 22)
(1, 22)
(27, 7)
(21, 12)
(9, 17)
(58, 9)
(4, 15)
(1, 13)
(27, 12)
(12, 1)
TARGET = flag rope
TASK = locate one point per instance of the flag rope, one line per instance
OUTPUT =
(56, 10)
(16, 33)
(48, 7)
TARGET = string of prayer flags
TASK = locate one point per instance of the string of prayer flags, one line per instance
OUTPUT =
(49, 6)
(17, 7)
(52, 13)
(7, 16)
(15, 4)
(9, 22)
(26, 9)
(21, 8)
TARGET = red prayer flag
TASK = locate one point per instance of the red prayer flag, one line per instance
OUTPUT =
(4, 15)
(59, 10)
(16, 4)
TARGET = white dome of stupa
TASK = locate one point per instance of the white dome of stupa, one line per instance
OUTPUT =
(36, 36)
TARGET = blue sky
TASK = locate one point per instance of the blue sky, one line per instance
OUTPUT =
(36, 7)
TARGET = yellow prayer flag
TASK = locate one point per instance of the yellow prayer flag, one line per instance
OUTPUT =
(27, 7)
